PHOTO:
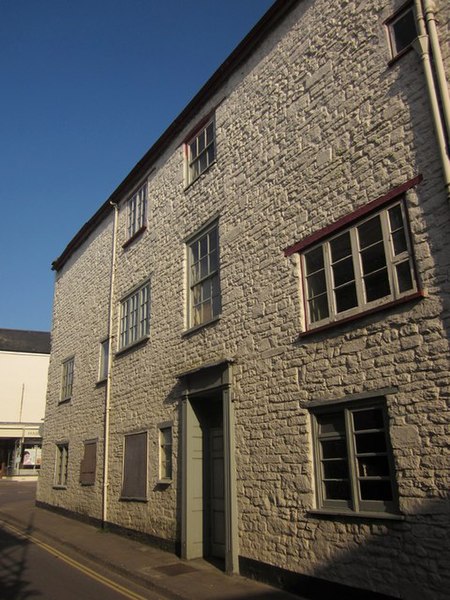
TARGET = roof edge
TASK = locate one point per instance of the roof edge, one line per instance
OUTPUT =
(243, 50)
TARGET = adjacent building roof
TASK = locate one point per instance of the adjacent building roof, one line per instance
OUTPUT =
(248, 45)
(18, 340)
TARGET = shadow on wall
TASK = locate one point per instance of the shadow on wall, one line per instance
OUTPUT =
(406, 559)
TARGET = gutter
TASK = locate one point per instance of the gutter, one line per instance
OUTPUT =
(435, 80)
(109, 371)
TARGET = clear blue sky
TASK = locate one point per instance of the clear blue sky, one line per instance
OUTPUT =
(86, 87)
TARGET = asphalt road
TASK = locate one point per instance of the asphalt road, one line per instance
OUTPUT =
(32, 568)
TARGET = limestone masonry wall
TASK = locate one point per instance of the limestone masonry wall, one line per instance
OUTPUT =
(314, 125)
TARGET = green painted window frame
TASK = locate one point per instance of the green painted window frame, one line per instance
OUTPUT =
(61, 465)
(348, 437)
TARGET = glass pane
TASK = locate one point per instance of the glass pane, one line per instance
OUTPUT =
(371, 418)
(201, 142)
(193, 150)
(343, 271)
(375, 490)
(331, 423)
(396, 217)
(197, 294)
(336, 490)
(202, 163)
(318, 308)
(196, 315)
(209, 133)
(340, 247)
(203, 246)
(404, 30)
(370, 232)
(204, 270)
(334, 448)
(346, 297)
(206, 290)
(370, 442)
(335, 469)
(377, 285)
(399, 242)
(370, 466)
(213, 261)
(316, 284)
(215, 288)
(314, 260)
(373, 258)
(404, 277)
(210, 154)
(207, 311)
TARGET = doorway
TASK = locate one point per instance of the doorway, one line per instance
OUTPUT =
(209, 524)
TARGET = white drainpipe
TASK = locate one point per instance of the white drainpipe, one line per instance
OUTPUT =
(422, 47)
(108, 376)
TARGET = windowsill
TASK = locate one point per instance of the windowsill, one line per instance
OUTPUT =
(60, 487)
(101, 382)
(193, 330)
(134, 237)
(133, 346)
(86, 484)
(414, 296)
(191, 183)
(398, 56)
(65, 401)
(165, 482)
(324, 512)
(132, 499)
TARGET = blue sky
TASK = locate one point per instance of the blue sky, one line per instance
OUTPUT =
(87, 86)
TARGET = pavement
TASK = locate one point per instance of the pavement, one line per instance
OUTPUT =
(159, 571)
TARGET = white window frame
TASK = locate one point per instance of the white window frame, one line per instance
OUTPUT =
(165, 453)
(62, 464)
(134, 317)
(103, 359)
(137, 211)
(198, 284)
(354, 503)
(392, 262)
(68, 369)
(390, 24)
(200, 151)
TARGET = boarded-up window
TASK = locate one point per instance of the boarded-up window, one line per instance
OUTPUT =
(88, 464)
(134, 484)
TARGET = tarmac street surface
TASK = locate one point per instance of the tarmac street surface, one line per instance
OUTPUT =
(45, 556)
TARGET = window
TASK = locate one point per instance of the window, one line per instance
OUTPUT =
(67, 379)
(134, 484)
(135, 317)
(200, 152)
(401, 30)
(136, 211)
(62, 460)
(352, 459)
(104, 358)
(204, 285)
(367, 265)
(88, 463)
(165, 453)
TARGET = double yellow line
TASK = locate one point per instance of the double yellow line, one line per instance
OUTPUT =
(74, 563)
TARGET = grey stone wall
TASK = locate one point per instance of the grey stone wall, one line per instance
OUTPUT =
(312, 127)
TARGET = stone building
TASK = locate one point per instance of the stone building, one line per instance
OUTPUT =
(24, 360)
(250, 353)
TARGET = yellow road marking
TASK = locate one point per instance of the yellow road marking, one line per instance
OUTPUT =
(74, 563)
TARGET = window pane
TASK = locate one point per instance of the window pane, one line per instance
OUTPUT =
(314, 260)
(371, 466)
(346, 297)
(335, 469)
(376, 490)
(343, 271)
(404, 277)
(193, 149)
(203, 246)
(404, 30)
(331, 423)
(210, 154)
(396, 217)
(373, 258)
(336, 490)
(370, 442)
(341, 247)
(368, 419)
(334, 448)
(318, 308)
(209, 133)
(377, 285)
(207, 311)
(370, 232)
(316, 284)
(204, 267)
(399, 242)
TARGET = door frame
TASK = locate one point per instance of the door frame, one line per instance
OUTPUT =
(215, 378)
